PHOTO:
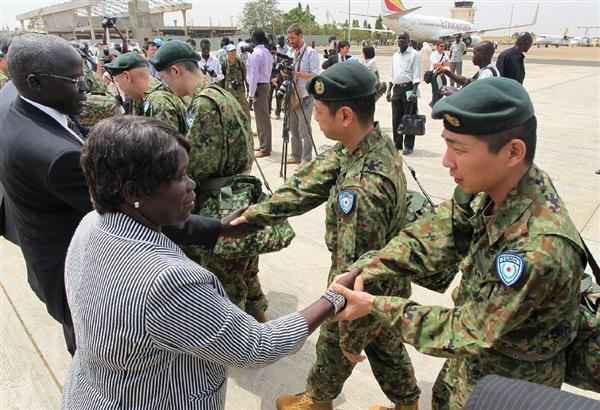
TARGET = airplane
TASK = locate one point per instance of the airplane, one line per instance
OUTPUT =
(397, 18)
(552, 39)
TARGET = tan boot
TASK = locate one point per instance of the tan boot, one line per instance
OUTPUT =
(262, 318)
(301, 401)
(410, 406)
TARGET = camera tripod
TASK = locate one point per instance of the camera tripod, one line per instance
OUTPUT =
(290, 87)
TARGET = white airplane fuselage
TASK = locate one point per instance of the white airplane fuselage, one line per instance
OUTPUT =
(431, 28)
(550, 40)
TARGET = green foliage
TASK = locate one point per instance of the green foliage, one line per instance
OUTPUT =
(261, 13)
(301, 16)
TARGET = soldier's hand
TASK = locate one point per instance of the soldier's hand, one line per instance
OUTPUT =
(348, 279)
(235, 225)
(354, 358)
(358, 303)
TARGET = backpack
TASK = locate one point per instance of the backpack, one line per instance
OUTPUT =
(583, 354)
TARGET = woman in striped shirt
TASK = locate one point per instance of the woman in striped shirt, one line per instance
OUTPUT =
(153, 328)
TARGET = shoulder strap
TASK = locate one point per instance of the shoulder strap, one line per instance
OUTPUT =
(493, 70)
(442, 57)
(591, 261)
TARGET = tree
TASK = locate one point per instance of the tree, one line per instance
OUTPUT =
(261, 14)
(300, 16)
(379, 23)
(365, 25)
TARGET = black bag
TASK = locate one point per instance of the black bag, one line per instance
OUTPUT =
(412, 124)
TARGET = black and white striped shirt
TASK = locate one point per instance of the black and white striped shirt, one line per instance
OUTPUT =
(153, 328)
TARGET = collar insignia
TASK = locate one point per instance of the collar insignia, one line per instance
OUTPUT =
(510, 268)
(319, 87)
(452, 119)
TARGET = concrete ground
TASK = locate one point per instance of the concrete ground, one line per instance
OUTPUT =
(35, 362)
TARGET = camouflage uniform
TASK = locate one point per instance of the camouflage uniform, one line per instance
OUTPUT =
(519, 331)
(161, 103)
(373, 175)
(3, 79)
(236, 71)
(100, 103)
(221, 152)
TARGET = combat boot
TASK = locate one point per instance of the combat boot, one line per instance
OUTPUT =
(301, 401)
(410, 406)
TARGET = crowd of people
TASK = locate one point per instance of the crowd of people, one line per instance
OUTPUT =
(126, 182)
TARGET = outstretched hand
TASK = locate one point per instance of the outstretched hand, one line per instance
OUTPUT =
(235, 225)
(358, 302)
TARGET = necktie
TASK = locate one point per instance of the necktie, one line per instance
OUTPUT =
(73, 126)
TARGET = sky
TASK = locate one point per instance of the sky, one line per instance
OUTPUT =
(554, 15)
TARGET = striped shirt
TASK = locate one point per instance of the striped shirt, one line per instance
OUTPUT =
(153, 328)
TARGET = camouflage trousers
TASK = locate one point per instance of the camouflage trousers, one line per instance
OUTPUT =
(387, 356)
(458, 377)
(239, 278)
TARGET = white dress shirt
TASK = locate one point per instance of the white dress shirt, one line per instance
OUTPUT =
(308, 64)
(488, 71)
(57, 116)
(436, 58)
(212, 64)
(406, 67)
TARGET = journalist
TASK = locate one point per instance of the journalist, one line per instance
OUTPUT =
(260, 64)
(209, 65)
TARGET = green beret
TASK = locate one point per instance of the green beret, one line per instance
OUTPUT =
(172, 52)
(124, 62)
(342, 81)
(484, 107)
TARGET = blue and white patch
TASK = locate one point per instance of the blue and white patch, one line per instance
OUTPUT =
(509, 268)
(346, 200)
(189, 118)
(146, 106)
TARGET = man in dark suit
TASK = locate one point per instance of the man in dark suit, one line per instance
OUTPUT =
(340, 57)
(45, 195)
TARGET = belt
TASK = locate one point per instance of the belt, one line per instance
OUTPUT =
(403, 85)
(519, 355)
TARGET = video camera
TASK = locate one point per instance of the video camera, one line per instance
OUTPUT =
(109, 22)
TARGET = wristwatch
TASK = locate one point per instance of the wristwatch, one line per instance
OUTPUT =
(337, 300)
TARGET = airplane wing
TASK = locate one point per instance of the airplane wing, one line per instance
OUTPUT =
(533, 23)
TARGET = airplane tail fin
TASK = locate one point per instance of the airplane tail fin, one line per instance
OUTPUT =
(566, 34)
(391, 6)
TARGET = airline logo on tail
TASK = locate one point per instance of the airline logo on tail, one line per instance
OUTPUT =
(393, 6)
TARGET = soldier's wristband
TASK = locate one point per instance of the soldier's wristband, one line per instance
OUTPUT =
(337, 300)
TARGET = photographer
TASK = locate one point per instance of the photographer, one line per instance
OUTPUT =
(260, 64)
(306, 66)
(276, 77)
(235, 81)
(149, 49)
(209, 65)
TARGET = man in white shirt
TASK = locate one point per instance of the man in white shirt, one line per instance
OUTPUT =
(457, 50)
(406, 75)
(306, 66)
(437, 59)
(482, 57)
(209, 65)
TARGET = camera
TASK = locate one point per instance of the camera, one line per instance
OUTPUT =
(205, 70)
(109, 22)
(247, 48)
(236, 84)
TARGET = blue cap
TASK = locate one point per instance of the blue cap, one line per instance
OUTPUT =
(158, 42)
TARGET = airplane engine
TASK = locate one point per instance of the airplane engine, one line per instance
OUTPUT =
(472, 41)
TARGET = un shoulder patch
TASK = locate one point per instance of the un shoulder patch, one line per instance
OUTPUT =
(509, 268)
(146, 106)
(189, 118)
(346, 200)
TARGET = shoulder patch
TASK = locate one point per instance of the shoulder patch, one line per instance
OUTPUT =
(189, 118)
(509, 268)
(146, 106)
(346, 199)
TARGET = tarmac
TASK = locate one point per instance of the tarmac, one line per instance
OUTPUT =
(35, 361)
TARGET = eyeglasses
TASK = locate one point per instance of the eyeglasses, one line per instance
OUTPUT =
(76, 80)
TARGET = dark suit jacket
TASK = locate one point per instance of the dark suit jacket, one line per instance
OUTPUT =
(334, 59)
(46, 197)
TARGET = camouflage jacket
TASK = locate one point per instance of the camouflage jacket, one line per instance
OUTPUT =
(3, 78)
(366, 204)
(100, 103)
(161, 103)
(219, 133)
(94, 83)
(521, 268)
(232, 72)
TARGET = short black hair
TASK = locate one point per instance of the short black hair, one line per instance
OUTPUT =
(129, 148)
(147, 45)
(259, 36)
(225, 41)
(343, 44)
(363, 107)
(488, 48)
(191, 41)
(526, 132)
(204, 41)
(369, 51)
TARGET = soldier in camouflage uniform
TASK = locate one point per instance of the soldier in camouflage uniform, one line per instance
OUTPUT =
(521, 257)
(234, 71)
(150, 97)
(99, 103)
(362, 181)
(4, 74)
(221, 140)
